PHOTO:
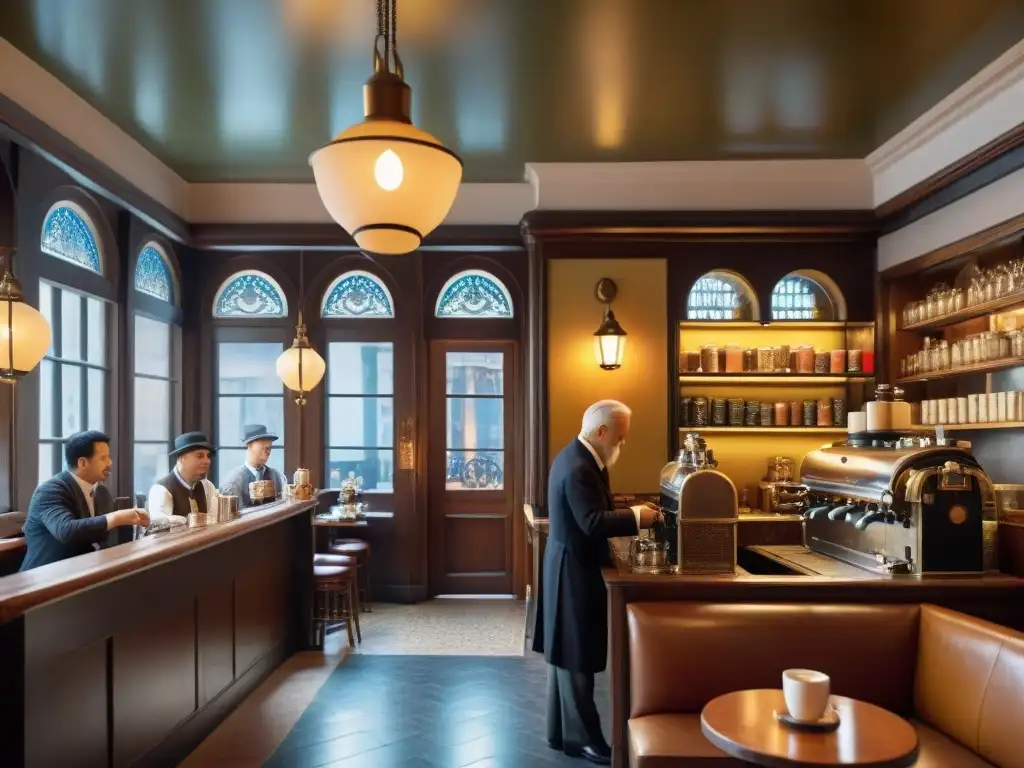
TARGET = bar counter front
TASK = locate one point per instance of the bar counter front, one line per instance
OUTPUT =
(132, 655)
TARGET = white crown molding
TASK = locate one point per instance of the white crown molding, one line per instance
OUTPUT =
(978, 112)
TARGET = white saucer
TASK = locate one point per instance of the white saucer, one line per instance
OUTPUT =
(828, 722)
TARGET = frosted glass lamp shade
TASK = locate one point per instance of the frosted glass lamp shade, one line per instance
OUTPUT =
(387, 183)
(313, 368)
(30, 333)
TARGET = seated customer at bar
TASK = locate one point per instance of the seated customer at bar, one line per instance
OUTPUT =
(71, 513)
(258, 444)
(185, 490)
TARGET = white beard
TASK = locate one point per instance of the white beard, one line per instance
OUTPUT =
(613, 457)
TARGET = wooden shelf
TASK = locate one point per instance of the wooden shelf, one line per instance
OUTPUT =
(967, 370)
(774, 378)
(969, 313)
(972, 427)
(739, 325)
(768, 430)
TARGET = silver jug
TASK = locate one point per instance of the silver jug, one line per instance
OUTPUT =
(227, 509)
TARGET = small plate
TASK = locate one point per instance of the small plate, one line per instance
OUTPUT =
(828, 722)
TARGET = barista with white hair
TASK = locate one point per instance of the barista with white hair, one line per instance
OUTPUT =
(572, 618)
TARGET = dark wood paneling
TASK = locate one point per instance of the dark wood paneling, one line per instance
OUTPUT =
(154, 678)
(261, 603)
(250, 238)
(66, 708)
(215, 640)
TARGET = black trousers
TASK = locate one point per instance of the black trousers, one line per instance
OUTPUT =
(572, 713)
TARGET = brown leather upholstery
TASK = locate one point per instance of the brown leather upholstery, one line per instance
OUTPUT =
(939, 751)
(321, 559)
(330, 574)
(658, 741)
(682, 655)
(970, 684)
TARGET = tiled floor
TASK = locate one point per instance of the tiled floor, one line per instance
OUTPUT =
(428, 712)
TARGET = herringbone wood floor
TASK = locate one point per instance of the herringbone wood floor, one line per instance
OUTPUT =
(429, 712)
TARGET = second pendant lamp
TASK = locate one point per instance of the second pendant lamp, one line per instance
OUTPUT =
(386, 182)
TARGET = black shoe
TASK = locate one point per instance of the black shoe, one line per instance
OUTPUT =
(555, 744)
(599, 754)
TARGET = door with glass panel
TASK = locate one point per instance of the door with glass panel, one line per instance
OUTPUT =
(471, 472)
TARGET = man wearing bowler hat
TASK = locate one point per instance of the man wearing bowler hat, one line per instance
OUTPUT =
(258, 444)
(185, 490)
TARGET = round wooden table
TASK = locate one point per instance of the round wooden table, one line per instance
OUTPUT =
(743, 725)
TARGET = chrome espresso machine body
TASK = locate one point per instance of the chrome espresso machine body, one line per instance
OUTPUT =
(903, 507)
(699, 512)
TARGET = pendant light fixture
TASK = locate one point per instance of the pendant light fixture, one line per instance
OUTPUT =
(300, 367)
(24, 332)
(385, 181)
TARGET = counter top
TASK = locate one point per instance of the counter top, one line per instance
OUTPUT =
(21, 592)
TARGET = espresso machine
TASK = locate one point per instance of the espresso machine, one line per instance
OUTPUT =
(698, 512)
(901, 506)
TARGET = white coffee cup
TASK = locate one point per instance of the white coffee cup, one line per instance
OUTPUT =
(806, 693)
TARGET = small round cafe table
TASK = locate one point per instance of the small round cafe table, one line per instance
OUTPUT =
(743, 725)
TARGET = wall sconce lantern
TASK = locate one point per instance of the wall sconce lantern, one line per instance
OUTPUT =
(610, 338)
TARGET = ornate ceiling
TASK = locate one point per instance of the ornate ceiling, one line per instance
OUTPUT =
(231, 90)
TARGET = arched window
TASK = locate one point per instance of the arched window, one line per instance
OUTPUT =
(798, 296)
(357, 294)
(68, 234)
(721, 295)
(473, 293)
(250, 294)
(152, 275)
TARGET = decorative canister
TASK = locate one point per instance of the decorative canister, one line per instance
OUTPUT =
(1012, 402)
(753, 416)
(693, 360)
(795, 413)
(972, 409)
(685, 411)
(749, 361)
(943, 415)
(699, 416)
(782, 414)
(961, 410)
(767, 415)
(810, 413)
(718, 412)
(709, 358)
(733, 359)
(853, 360)
(822, 361)
(825, 412)
(838, 412)
(983, 409)
(805, 359)
(837, 361)
(735, 411)
(765, 359)
(993, 406)
(782, 358)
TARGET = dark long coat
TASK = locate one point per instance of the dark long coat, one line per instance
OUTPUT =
(572, 615)
(58, 524)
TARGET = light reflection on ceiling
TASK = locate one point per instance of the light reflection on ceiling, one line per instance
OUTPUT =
(608, 57)
(76, 33)
(151, 73)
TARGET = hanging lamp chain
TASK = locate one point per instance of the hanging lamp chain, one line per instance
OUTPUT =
(387, 60)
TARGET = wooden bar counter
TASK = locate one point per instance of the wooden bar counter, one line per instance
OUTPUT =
(132, 655)
(997, 598)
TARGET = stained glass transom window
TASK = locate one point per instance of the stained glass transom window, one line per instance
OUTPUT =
(714, 298)
(68, 235)
(250, 294)
(474, 293)
(152, 276)
(357, 294)
(793, 298)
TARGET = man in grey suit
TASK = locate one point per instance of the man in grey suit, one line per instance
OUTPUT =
(258, 444)
(71, 513)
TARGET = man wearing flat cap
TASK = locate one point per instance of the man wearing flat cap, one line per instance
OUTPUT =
(258, 444)
(185, 489)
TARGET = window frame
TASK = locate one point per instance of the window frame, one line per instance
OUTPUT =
(90, 224)
(239, 273)
(357, 273)
(173, 378)
(477, 272)
(108, 369)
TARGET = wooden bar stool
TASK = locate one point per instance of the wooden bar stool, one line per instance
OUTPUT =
(333, 587)
(345, 561)
(360, 550)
